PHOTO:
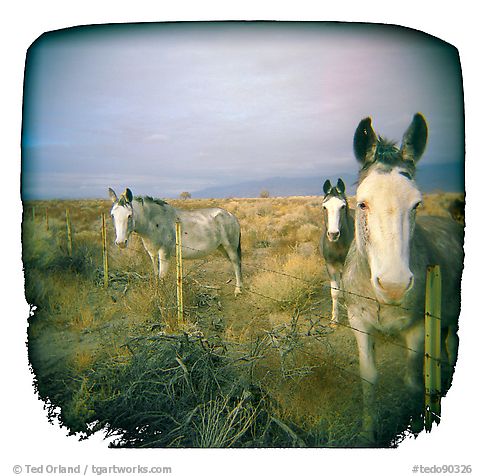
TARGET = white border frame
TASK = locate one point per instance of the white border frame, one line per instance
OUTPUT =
(32, 440)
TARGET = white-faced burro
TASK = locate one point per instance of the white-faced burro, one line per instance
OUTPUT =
(336, 237)
(387, 262)
(203, 231)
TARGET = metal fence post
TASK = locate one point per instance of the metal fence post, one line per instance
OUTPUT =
(69, 233)
(180, 304)
(432, 367)
(105, 251)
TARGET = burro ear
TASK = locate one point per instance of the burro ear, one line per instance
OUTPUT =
(364, 142)
(327, 187)
(128, 195)
(415, 139)
(112, 195)
(340, 187)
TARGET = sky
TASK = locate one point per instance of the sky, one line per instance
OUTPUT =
(167, 108)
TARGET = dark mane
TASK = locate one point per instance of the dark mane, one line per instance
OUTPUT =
(149, 199)
(387, 150)
(335, 193)
(387, 157)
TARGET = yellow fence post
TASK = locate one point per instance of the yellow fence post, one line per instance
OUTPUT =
(69, 234)
(105, 251)
(432, 367)
(180, 304)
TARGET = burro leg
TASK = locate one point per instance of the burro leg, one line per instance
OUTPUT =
(335, 282)
(235, 259)
(335, 294)
(152, 252)
(414, 339)
(369, 377)
(163, 263)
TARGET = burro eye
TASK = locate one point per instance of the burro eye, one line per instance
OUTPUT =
(362, 205)
(418, 204)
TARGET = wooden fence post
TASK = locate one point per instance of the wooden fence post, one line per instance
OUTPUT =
(47, 219)
(105, 251)
(33, 213)
(69, 234)
(180, 304)
(432, 367)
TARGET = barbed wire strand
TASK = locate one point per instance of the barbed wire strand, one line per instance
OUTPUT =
(348, 326)
(276, 300)
(352, 293)
(375, 335)
(261, 268)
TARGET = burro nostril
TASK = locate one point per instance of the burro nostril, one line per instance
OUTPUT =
(394, 290)
(333, 235)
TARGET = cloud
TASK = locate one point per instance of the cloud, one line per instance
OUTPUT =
(157, 137)
(191, 106)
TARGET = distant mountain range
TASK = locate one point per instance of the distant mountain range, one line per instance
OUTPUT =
(430, 178)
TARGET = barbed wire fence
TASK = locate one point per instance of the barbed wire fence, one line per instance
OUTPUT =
(205, 261)
(319, 316)
(432, 359)
(273, 337)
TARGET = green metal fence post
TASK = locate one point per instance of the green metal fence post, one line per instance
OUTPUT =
(432, 367)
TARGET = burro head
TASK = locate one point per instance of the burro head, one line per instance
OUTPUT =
(122, 214)
(334, 205)
(387, 198)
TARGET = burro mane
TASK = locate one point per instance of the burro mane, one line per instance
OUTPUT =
(387, 157)
(149, 199)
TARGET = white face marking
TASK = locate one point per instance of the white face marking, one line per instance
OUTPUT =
(122, 220)
(333, 206)
(385, 219)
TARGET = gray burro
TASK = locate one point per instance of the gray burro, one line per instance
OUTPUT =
(385, 270)
(203, 231)
(336, 238)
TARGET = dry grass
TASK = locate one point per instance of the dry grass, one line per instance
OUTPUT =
(438, 203)
(81, 337)
(82, 360)
(220, 424)
(289, 282)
